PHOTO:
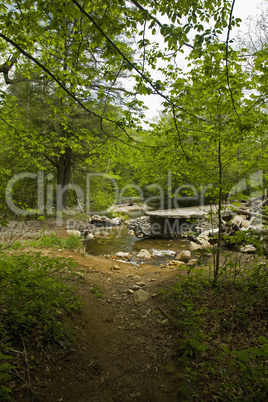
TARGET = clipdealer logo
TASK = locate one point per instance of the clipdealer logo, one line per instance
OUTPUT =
(50, 197)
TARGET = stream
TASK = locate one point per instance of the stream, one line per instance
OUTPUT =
(118, 239)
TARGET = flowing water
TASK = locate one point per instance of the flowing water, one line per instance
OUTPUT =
(116, 239)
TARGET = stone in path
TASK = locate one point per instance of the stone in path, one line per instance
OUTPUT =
(141, 296)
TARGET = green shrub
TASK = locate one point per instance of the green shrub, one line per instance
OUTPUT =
(34, 298)
(5, 374)
(221, 335)
(36, 302)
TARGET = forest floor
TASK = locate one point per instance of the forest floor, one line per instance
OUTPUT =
(123, 350)
(129, 350)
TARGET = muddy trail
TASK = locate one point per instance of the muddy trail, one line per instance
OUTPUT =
(124, 350)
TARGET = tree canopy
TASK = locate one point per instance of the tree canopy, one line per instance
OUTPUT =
(73, 73)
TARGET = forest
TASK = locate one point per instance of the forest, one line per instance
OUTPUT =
(79, 81)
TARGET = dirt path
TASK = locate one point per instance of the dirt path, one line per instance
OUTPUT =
(124, 350)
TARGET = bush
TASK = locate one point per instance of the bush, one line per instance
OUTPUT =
(33, 298)
(222, 335)
(5, 376)
(36, 301)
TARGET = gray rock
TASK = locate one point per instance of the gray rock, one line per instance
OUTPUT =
(194, 246)
(142, 227)
(176, 263)
(249, 248)
(115, 221)
(184, 256)
(214, 231)
(203, 238)
(192, 262)
(144, 254)
(73, 233)
(130, 291)
(141, 296)
(89, 236)
(245, 224)
(141, 284)
(120, 254)
(100, 220)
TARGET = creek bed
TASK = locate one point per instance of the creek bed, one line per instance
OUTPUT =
(116, 239)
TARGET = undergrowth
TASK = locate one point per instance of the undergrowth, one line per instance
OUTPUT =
(72, 242)
(222, 336)
(36, 302)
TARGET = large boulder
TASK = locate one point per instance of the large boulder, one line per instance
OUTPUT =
(184, 256)
(194, 246)
(144, 254)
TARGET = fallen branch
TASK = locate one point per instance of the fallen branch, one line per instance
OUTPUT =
(163, 311)
(253, 201)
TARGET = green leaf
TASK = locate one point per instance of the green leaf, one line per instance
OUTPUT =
(262, 339)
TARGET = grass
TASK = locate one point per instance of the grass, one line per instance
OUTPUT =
(72, 242)
(97, 291)
(222, 336)
(37, 301)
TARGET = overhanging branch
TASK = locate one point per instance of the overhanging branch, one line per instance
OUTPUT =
(73, 96)
(146, 12)
(226, 58)
(131, 64)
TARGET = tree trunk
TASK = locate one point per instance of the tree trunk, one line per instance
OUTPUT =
(63, 178)
(218, 253)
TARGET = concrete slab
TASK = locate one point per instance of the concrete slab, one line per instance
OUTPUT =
(185, 213)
